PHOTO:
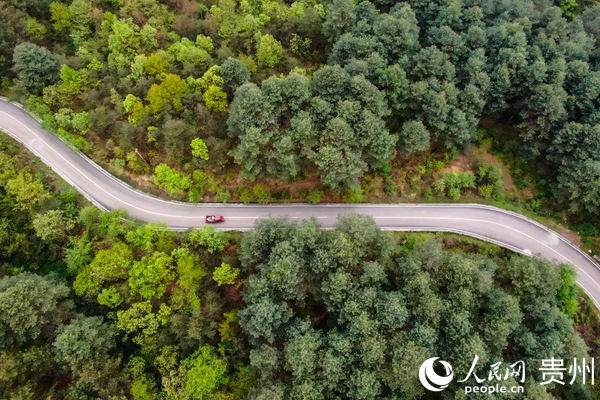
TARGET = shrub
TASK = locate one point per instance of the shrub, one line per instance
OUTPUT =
(119, 165)
(195, 195)
(385, 170)
(171, 180)
(245, 196)
(136, 164)
(415, 181)
(208, 237)
(391, 188)
(315, 195)
(225, 274)
(485, 191)
(222, 196)
(439, 186)
(428, 193)
(262, 194)
(354, 195)
(467, 180)
(454, 193)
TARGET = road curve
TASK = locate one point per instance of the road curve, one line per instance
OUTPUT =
(507, 229)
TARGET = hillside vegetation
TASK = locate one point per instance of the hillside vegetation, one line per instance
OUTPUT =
(207, 97)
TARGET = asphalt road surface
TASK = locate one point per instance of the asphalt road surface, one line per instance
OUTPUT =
(491, 224)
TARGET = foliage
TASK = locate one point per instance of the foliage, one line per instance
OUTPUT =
(108, 265)
(205, 372)
(31, 308)
(169, 93)
(140, 294)
(285, 89)
(375, 310)
(150, 276)
(314, 196)
(208, 237)
(222, 195)
(321, 122)
(149, 76)
(24, 188)
(199, 149)
(452, 183)
(141, 321)
(215, 99)
(415, 137)
(234, 73)
(171, 180)
(225, 274)
(269, 51)
(84, 346)
(35, 66)
(52, 226)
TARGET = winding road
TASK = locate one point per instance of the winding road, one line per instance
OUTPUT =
(507, 229)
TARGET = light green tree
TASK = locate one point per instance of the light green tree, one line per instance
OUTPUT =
(199, 149)
(269, 51)
(26, 190)
(52, 225)
(173, 181)
(225, 275)
(208, 237)
(170, 92)
(205, 372)
(215, 98)
(150, 276)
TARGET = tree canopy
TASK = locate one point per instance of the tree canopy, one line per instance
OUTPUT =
(349, 313)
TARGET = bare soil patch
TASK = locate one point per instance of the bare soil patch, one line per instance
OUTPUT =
(461, 163)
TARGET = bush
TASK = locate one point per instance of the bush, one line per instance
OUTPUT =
(534, 205)
(119, 165)
(246, 196)
(173, 181)
(428, 193)
(136, 164)
(454, 193)
(586, 229)
(485, 191)
(195, 195)
(37, 107)
(225, 275)
(439, 186)
(208, 237)
(467, 180)
(453, 183)
(315, 195)
(222, 196)
(385, 170)
(262, 194)
(522, 183)
(498, 190)
(415, 181)
(391, 188)
(354, 195)
(489, 180)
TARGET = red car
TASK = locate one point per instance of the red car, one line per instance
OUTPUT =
(213, 219)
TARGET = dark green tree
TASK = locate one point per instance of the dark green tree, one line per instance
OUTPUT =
(35, 66)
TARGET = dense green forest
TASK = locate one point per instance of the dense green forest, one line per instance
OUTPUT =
(231, 101)
(96, 306)
(224, 100)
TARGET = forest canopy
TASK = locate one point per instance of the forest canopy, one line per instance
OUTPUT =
(93, 305)
(285, 90)
(351, 314)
